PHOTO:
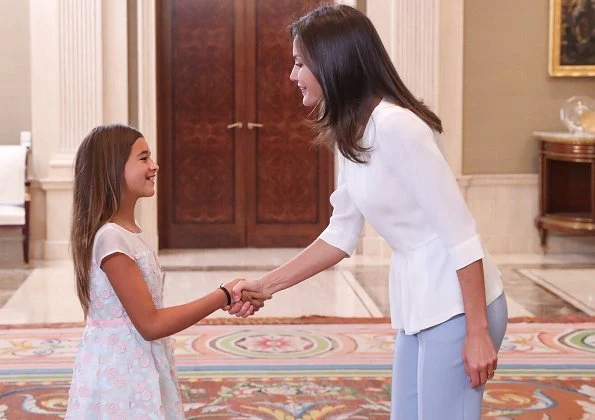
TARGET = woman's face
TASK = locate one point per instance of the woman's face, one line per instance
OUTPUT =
(300, 73)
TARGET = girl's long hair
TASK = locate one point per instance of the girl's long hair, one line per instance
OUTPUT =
(346, 55)
(98, 180)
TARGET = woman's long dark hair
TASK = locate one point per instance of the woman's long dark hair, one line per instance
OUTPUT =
(344, 52)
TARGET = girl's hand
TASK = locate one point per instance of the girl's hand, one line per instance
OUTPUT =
(245, 307)
(250, 290)
(480, 357)
(255, 299)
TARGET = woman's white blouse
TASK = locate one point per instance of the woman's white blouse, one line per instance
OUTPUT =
(408, 194)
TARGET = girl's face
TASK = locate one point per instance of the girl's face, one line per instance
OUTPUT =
(306, 81)
(140, 171)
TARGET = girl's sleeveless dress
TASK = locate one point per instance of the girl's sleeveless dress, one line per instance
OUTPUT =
(118, 374)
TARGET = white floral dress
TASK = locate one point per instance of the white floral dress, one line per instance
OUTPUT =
(117, 373)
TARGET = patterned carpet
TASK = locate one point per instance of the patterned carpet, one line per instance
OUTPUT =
(314, 371)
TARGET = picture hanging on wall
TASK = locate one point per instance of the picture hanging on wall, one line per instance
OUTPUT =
(572, 38)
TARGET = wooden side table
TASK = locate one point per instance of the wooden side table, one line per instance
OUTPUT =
(566, 184)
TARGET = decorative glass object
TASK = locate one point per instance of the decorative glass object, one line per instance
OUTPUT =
(578, 114)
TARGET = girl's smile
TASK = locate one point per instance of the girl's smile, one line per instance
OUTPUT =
(140, 171)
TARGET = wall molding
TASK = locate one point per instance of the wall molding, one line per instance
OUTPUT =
(147, 107)
(504, 207)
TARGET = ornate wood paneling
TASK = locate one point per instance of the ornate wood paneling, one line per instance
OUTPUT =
(287, 175)
(203, 97)
(222, 62)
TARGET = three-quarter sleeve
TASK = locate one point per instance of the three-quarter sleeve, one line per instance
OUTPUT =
(410, 152)
(346, 221)
(110, 241)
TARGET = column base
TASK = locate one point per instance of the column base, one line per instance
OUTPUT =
(56, 250)
(58, 214)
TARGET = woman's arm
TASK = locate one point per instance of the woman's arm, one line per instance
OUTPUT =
(317, 257)
(153, 323)
(479, 354)
(336, 242)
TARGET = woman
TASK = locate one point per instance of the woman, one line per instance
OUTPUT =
(446, 296)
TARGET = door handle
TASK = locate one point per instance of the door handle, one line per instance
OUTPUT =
(235, 125)
(252, 125)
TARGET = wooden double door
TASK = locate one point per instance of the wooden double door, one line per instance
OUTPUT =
(238, 167)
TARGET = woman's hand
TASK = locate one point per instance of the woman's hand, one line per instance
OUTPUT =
(248, 297)
(480, 357)
(245, 305)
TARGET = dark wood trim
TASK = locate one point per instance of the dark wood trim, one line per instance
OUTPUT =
(251, 135)
(164, 118)
(566, 187)
(241, 95)
(593, 190)
(26, 232)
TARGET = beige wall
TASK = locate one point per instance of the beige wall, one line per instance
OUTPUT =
(507, 91)
(15, 80)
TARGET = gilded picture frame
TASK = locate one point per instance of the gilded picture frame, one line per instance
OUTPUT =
(572, 38)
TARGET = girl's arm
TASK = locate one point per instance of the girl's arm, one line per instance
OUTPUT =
(152, 323)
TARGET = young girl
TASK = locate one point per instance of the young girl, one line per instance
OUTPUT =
(446, 296)
(125, 367)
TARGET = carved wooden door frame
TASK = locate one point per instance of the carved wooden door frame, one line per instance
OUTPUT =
(250, 225)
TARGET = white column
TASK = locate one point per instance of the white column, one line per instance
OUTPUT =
(78, 80)
(424, 39)
(80, 70)
(45, 110)
(147, 106)
(66, 103)
(115, 61)
(409, 30)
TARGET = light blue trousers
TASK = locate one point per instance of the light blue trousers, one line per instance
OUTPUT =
(429, 378)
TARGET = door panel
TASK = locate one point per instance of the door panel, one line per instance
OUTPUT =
(204, 192)
(203, 152)
(289, 176)
(222, 62)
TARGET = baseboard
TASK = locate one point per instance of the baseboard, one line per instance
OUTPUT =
(36, 249)
(56, 250)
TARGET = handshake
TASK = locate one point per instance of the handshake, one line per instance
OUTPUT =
(247, 297)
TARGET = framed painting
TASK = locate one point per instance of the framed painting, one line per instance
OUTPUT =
(572, 38)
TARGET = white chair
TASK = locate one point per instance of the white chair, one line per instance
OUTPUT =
(14, 197)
